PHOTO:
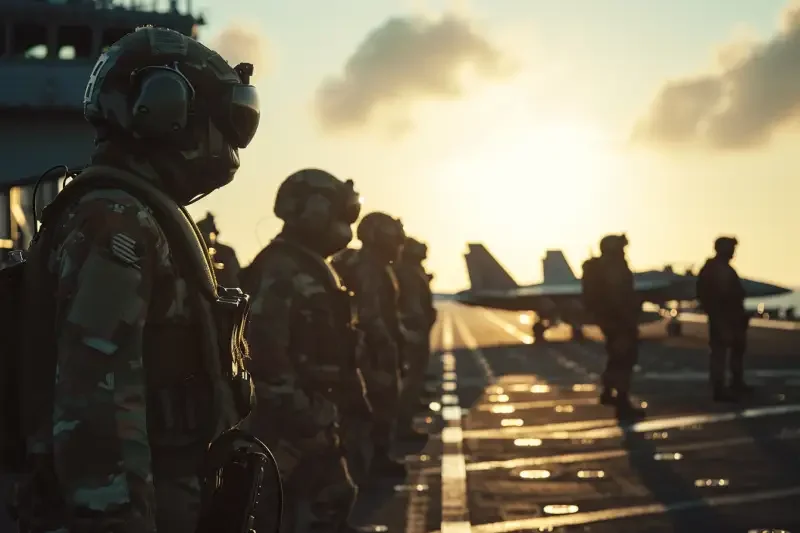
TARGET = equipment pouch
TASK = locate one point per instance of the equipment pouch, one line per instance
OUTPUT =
(233, 484)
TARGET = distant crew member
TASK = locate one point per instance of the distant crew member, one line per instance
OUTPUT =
(417, 315)
(610, 296)
(302, 339)
(369, 274)
(721, 294)
(226, 265)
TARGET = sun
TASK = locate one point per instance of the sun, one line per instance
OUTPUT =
(531, 186)
(547, 170)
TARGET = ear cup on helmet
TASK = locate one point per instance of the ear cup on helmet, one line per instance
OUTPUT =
(162, 102)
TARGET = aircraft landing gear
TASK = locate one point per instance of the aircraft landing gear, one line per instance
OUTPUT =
(674, 328)
(539, 328)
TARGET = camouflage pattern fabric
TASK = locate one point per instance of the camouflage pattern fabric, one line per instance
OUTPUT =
(108, 463)
(296, 362)
(375, 293)
(417, 312)
(417, 316)
(357, 414)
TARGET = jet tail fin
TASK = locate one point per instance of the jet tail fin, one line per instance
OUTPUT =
(556, 269)
(485, 272)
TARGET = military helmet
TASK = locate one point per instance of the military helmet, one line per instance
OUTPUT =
(725, 243)
(161, 90)
(415, 249)
(209, 85)
(208, 225)
(316, 197)
(611, 242)
(381, 230)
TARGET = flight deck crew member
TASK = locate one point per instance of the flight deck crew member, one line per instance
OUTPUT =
(721, 294)
(369, 274)
(417, 315)
(611, 297)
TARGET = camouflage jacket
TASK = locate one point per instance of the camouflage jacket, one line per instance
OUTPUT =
(131, 395)
(302, 340)
(417, 313)
(376, 294)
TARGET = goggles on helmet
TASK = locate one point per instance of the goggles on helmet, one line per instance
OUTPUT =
(238, 113)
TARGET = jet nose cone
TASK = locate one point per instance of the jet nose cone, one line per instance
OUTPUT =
(464, 297)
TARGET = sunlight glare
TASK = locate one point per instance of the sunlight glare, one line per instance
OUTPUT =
(508, 160)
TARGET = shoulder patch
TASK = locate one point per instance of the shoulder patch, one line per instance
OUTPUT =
(125, 248)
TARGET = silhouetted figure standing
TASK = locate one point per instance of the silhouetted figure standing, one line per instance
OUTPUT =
(721, 294)
(226, 264)
(610, 296)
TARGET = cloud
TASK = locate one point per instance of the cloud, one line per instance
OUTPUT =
(238, 43)
(755, 91)
(405, 59)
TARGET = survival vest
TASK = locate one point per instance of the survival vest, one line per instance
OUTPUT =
(28, 355)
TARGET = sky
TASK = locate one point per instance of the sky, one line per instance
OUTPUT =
(528, 124)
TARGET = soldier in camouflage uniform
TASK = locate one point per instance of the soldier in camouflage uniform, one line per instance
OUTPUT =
(618, 319)
(226, 264)
(369, 274)
(135, 405)
(357, 415)
(417, 315)
(303, 344)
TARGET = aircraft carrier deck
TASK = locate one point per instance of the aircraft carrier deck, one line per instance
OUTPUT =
(518, 442)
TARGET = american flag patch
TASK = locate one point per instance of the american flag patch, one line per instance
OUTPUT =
(123, 247)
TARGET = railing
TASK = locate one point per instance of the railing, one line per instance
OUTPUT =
(184, 7)
(159, 6)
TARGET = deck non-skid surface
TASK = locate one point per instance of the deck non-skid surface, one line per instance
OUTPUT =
(519, 443)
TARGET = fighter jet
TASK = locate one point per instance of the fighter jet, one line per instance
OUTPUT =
(558, 297)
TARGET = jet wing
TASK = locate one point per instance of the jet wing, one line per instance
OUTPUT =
(531, 297)
(552, 290)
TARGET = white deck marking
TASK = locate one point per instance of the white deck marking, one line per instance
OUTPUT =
(455, 509)
(475, 350)
(419, 501)
(633, 511)
(601, 455)
(609, 429)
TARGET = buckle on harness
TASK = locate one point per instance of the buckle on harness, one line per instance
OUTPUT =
(231, 311)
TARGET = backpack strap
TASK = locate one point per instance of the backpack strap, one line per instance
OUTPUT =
(191, 250)
(307, 257)
(190, 253)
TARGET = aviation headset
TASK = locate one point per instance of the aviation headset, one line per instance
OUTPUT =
(160, 101)
(306, 198)
(380, 229)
